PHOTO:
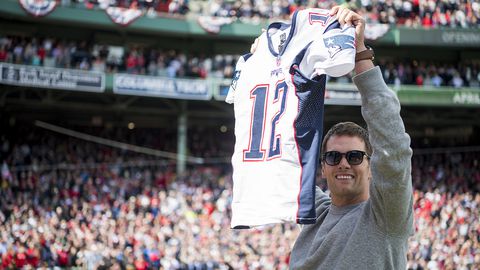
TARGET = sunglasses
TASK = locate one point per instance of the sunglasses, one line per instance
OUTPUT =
(354, 157)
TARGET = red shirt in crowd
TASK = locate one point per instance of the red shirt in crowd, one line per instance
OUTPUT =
(419, 80)
(41, 53)
(7, 260)
(131, 61)
(140, 265)
(33, 258)
(3, 55)
(427, 21)
(62, 258)
(20, 259)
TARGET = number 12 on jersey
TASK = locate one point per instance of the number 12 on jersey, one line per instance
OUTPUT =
(259, 95)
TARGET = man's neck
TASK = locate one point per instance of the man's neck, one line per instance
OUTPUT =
(346, 201)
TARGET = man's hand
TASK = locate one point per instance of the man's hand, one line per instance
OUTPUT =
(253, 48)
(348, 17)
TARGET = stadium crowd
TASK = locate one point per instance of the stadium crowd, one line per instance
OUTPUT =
(430, 73)
(69, 203)
(422, 13)
(410, 13)
(50, 52)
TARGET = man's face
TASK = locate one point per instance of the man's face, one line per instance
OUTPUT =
(348, 184)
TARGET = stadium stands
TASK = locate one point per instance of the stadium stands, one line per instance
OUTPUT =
(68, 203)
(410, 13)
(431, 73)
(428, 14)
(51, 52)
(62, 206)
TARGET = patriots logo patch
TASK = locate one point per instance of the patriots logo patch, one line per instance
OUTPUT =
(236, 76)
(337, 43)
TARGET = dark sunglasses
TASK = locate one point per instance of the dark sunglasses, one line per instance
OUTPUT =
(354, 157)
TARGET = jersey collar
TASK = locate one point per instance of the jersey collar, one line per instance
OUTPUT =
(281, 26)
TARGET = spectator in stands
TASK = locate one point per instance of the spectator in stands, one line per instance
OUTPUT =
(3, 54)
(457, 81)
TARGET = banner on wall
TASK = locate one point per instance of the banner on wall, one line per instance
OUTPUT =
(38, 8)
(53, 78)
(137, 85)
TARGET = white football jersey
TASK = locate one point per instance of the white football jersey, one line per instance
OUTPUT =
(278, 96)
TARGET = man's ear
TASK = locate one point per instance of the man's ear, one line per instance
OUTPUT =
(322, 166)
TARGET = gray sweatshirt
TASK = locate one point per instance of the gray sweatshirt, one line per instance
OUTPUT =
(372, 234)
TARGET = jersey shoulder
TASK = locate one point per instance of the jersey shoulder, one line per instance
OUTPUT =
(236, 76)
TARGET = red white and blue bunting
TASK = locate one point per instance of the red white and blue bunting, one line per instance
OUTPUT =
(123, 16)
(213, 25)
(38, 8)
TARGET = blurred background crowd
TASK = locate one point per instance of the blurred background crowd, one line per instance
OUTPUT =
(51, 52)
(71, 204)
(68, 203)
(410, 13)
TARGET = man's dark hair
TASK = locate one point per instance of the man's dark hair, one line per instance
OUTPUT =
(348, 129)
